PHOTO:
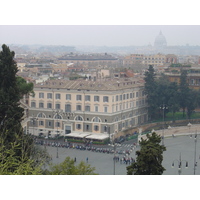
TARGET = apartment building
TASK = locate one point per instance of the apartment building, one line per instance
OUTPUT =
(132, 59)
(155, 60)
(90, 60)
(87, 109)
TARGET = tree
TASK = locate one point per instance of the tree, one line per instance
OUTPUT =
(17, 151)
(149, 158)
(150, 90)
(68, 167)
(173, 102)
(191, 102)
(10, 111)
(24, 87)
(184, 91)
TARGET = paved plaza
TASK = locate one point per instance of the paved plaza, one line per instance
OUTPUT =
(180, 147)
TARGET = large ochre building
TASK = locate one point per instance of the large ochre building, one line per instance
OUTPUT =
(87, 109)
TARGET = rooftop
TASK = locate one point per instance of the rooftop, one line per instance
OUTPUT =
(110, 84)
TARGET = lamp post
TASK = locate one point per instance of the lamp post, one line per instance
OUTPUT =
(195, 149)
(57, 112)
(34, 119)
(189, 126)
(163, 107)
(180, 164)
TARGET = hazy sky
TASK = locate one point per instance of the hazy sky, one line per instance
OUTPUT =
(100, 35)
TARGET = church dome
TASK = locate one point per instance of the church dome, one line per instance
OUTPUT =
(160, 41)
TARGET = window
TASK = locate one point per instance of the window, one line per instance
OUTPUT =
(33, 104)
(87, 127)
(78, 97)
(58, 116)
(96, 128)
(68, 96)
(41, 115)
(79, 118)
(96, 108)
(96, 98)
(127, 96)
(87, 108)
(49, 124)
(105, 109)
(41, 105)
(131, 95)
(105, 99)
(41, 123)
(57, 96)
(41, 95)
(57, 106)
(96, 119)
(137, 94)
(117, 97)
(78, 126)
(78, 107)
(87, 98)
(57, 124)
(49, 105)
(124, 96)
(120, 97)
(67, 108)
(49, 95)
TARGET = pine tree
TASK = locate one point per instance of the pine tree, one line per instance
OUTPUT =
(150, 90)
(10, 111)
(149, 158)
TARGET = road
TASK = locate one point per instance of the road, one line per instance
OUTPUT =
(180, 146)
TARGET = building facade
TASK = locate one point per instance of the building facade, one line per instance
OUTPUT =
(155, 60)
(87, 108)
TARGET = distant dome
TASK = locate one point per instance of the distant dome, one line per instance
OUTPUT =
(160, 41)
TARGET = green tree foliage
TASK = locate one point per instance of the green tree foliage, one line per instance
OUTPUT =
(149, 158)
(150, 90)
(68, 167)
(17, 151)
(10, 112)
(14, 163)
(160, 92)
(24, 87)
(184, 91)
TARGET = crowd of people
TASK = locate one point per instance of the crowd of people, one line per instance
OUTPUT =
(124, 160)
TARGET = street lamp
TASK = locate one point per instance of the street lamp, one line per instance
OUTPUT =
(189, 126)
(195, 149)
(163, 107)
(57, 112)
(180, 164)
(34, 119)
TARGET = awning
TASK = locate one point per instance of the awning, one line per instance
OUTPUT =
(78, 135)
(97, 136)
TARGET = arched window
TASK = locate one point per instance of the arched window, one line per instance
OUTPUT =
(96, 119)
(57, 116)
(79, 118)
(41, 115)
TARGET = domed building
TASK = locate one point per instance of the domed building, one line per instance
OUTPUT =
(160, 41)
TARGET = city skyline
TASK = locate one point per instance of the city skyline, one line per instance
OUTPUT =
(99, 35)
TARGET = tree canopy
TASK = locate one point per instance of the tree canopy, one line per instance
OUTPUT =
(68, 167)
(162, 94)
(149, 158)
